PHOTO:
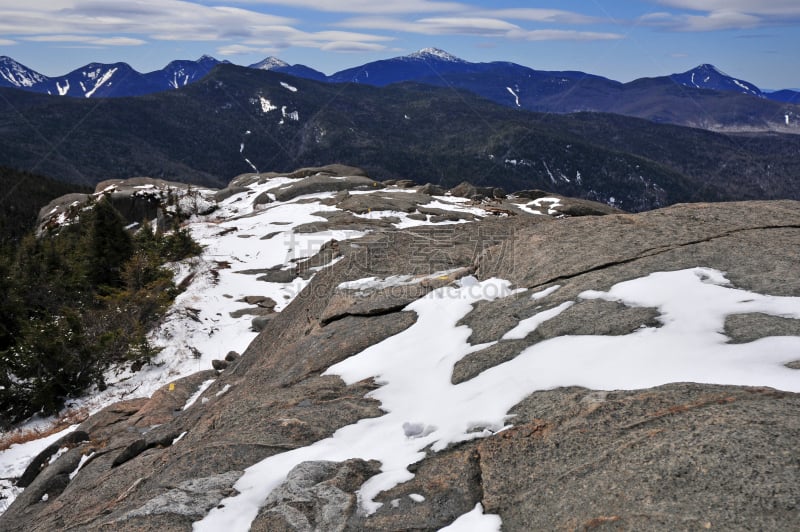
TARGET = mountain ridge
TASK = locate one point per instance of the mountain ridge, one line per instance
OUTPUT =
(105, 80)
(200, 134)
(428, 65)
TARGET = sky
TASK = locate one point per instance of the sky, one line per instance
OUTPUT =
(754, 40)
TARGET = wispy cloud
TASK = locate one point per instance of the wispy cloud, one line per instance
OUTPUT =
(87, 39)
(345, 46)
(553, 16)
(477, 26)
(285, 37)
(754, 7)
(564, 35)
(114, 23)
(243, 27)
(718, 15)
(174, 19)
(371, 7)
(716, 21)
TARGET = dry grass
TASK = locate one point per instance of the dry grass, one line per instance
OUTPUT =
(71, 417)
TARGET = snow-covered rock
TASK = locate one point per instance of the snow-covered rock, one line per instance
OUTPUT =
(502, 368)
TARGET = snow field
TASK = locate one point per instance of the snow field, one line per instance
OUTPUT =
(424, 409)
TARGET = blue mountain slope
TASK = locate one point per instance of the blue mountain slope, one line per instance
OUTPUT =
(299, 71)
(710, 77)
(100, 80)
(427, 63)
(784, 96)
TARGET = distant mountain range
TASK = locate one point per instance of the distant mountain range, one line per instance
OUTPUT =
(239, 119)
(99, 80)
(506, 83)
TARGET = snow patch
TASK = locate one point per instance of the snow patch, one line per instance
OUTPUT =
(537, 206)
(266, 105)
(58, 454)
(744, 87)
(475, 521)
(196, 395)
(527, 326)
(84, 459)
(514, 94)
(546, 292)
(294, 115)
(100, 82)
(62, 91)
(16, 458)
(288, 87)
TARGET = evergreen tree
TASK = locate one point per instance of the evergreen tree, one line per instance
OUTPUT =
(110, 244)
(10, 306)
(76, 300)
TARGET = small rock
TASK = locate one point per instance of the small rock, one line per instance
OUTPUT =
(130, 452)
(278, 276)
(232, 356)
(431, 190)
(259, 322)
(261, 301)
(262, 199)
(219, 365)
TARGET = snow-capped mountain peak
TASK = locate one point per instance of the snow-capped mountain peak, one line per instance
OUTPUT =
(14, 74)
(435, 53)
(269, 63)
(708, 67)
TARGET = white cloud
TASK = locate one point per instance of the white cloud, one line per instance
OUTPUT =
(113, 23)
(346, 46)
(369, 6)
(87, 39)
(564, 35)
(241, 26)
(284, 37)
(118, 41)
(174, 19)
(556, 16)
(7, 42)
(240, 49)
(434, 25)
(715, 21)
(464, 26)
(716, 15)
(753, 7)
(485, 27)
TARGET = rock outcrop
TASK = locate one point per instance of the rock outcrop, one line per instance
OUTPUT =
(677, 455)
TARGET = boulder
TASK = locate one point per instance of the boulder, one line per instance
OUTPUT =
(323, 182)
(431, 190)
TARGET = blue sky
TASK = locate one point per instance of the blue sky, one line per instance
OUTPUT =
(756, 40)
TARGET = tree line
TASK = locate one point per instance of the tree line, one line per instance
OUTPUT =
(76, 300)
